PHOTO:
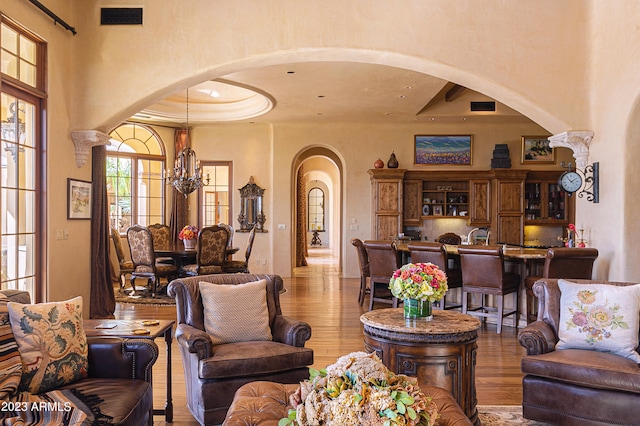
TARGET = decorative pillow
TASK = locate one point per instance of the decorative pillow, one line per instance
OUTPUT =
(599, 317)
(236, 313)
(52, 343)
(10, 362)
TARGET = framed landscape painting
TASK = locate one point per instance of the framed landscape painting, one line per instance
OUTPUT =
(536, 149)
(78, 199)
(439, 149)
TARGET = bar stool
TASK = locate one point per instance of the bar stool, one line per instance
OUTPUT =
(384, 259)
(483, 273)
(436, 253)
(363, 261)
(561, 262)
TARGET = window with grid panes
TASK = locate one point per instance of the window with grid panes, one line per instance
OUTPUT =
(215, 198)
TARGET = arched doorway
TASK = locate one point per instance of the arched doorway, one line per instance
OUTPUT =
(317, 173)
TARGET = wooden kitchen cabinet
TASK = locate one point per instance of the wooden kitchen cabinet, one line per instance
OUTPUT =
(545, 203)
(509, 213)
(412, 202)
(387, 198)
(480, 202)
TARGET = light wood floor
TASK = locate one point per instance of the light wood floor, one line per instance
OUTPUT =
(316, 294)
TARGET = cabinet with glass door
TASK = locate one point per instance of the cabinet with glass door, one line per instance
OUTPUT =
(545, 202)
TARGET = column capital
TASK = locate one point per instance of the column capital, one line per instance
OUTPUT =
(84, 140)
(576, 140)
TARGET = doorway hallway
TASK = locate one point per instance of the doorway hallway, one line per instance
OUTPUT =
(320, 261)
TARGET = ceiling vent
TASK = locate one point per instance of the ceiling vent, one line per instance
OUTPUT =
(121, 16)
(483, 106)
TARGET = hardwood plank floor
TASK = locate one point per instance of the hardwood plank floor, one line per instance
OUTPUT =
(316, 294)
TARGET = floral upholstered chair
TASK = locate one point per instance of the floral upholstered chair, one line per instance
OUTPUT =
(144, 259)
(125, 266)
(234, 266)
(212, 251)
(161, 240)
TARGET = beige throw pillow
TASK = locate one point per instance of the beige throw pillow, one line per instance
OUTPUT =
(52, 343)
(599, 317)
(236, 313)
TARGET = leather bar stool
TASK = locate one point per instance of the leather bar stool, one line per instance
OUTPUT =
(363, 261)
(561, 262)
(384, 259)
(483, 273)
(436, 253)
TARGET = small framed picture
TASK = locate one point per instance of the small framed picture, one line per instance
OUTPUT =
(78, 199)
(536, 149)
(437, 210)
(442, 149)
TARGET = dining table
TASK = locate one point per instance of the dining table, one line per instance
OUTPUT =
(182, 256)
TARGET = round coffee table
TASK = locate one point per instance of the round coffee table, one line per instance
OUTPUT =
(441, 352)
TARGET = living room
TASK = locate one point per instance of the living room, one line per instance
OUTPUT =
(567, 77)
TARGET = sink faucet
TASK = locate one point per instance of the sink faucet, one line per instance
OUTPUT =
(486, 242)
(470, 234)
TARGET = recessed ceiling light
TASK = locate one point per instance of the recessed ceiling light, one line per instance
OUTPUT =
(408, 87)
(402, 96)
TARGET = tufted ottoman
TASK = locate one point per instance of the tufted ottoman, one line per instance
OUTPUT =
(264, 403)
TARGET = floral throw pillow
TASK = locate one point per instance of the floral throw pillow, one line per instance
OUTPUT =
(52, 343)
(10, 363)
(599, 317)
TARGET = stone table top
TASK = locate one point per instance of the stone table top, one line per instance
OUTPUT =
(446, 326)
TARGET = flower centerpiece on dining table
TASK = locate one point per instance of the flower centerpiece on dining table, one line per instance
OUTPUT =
(419, 285)
(189, 235)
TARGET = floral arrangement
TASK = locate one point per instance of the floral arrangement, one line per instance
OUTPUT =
(421, 281)
(359, 390)
(189, 232)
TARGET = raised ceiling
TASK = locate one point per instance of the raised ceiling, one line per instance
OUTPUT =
(325, 92)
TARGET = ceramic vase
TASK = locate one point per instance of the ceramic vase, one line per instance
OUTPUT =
(393, 161)
(379, 164)
(189, 244)
(418, 309)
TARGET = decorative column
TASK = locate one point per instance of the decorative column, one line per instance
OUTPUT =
(84, 140)
(576, 140)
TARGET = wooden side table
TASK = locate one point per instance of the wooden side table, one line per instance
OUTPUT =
(128, 329)
(441, 352)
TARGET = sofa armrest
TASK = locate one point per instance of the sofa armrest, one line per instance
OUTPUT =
(195, 341)
(537, 338)
(114, 357)
(290, 331)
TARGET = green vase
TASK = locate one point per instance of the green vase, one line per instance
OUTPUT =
(417, 309)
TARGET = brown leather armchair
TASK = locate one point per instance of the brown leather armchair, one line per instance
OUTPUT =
(573, 386)
(214, 372)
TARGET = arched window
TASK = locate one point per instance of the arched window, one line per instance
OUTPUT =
(135, 184)
(316, 210)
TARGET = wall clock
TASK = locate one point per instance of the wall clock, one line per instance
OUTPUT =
(570, 181)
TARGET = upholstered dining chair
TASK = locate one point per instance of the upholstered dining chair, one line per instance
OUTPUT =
(365, 274)
(384, 259)
(125, 266)
(241, 266)
(218, 356)
(561, 262)
(211, 253)
(483, 273)
(144, 259)
(436, 253)
(161, 240)
(230, 231)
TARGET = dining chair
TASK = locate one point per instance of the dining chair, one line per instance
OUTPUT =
(365, 274)
(161, 240)
(241, 266)
(483, 273)
(125, 266)
(384, 259)
(561, 262)
(231, 232)
(144, 259)
(436, 253)
(211, 251)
